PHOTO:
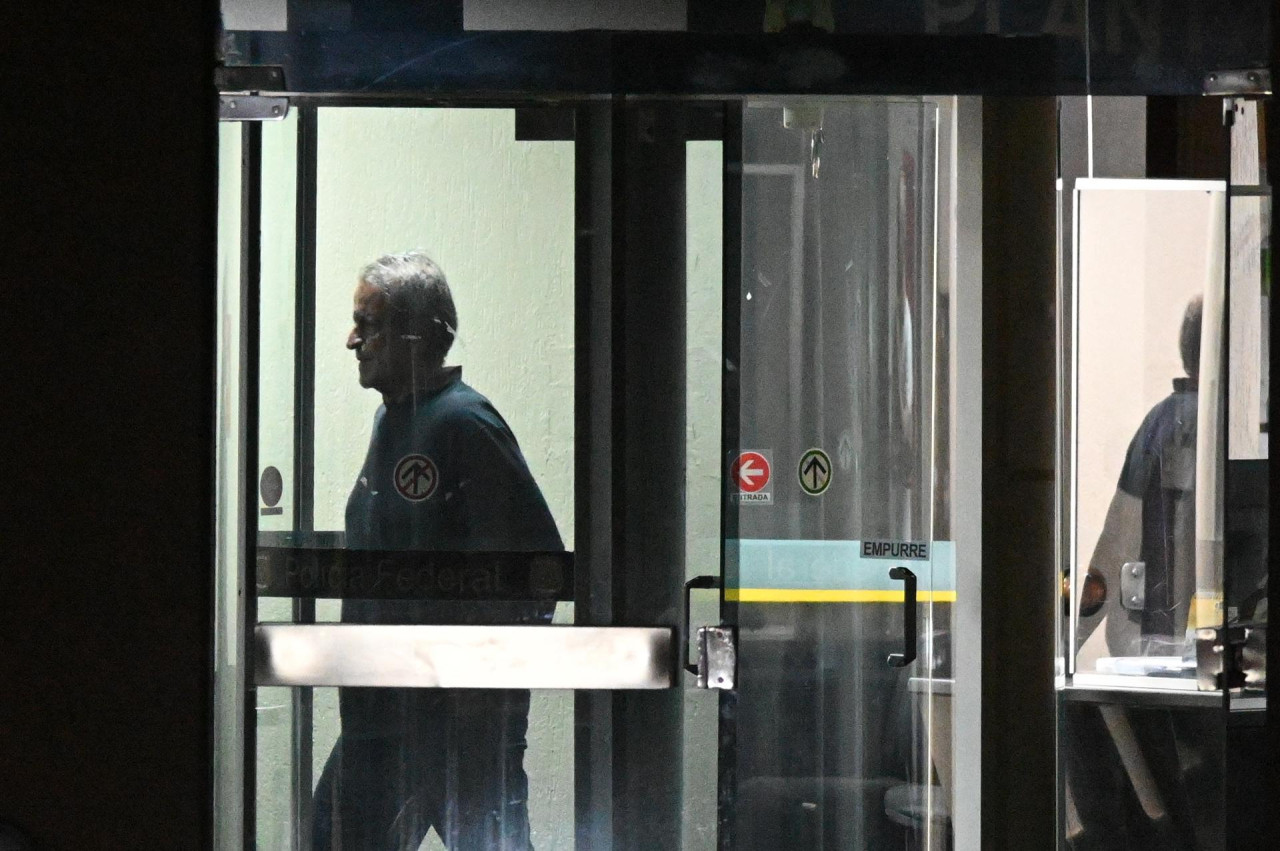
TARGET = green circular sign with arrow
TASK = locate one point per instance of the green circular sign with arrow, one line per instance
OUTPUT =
(814, 472)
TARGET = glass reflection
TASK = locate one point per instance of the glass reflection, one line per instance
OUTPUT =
(1141, 577)
(1143, 754)
(836, 748)
(1148, 470)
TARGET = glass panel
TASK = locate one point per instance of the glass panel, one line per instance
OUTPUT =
(1147, 479)
(412, 463)
(1143, 732)
(832, 484)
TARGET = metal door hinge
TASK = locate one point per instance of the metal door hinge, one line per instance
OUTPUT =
(717, 657)
(252, 108)
(239, 88)
(1244, 82)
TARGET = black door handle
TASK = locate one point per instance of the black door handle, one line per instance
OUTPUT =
(908, 654)
(685, 630)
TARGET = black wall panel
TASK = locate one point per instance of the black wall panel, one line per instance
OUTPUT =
(107, 275)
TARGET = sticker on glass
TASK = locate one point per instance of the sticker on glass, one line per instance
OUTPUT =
(814, 471)
(896, 550)
(416, 477)
(750, 475)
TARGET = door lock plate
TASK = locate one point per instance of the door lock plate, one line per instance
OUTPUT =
(717, 657)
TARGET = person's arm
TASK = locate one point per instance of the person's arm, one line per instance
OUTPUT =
(503, 508)
(1119, 542)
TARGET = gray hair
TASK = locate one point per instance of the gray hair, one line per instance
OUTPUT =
(1189, 338)
(419, 303)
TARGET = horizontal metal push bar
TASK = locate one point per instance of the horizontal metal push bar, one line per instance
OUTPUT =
(532, 657)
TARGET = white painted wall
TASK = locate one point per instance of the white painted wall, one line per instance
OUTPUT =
(704, 315)
(497, 215)
(1142, 255)
(1250, 296)
(275, 350)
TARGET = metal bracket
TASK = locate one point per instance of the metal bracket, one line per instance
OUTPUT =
(238, 87)
(717, 649)
(1211, 649)
(252, 108)
(1255, 82)
(717, 657)
(1133, 586)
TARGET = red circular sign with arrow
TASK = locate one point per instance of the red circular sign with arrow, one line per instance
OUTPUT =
(750, 472)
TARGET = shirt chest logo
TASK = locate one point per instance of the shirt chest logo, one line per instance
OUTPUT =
(416, 477)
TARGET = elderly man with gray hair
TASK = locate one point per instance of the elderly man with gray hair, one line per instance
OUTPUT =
(443, 472)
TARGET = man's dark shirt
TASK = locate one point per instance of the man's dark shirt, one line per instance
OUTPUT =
(1160, 470)
(443, 473)
(464, 486)
(474, 492)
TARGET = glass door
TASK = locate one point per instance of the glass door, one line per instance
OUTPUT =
(501, 388)
(416, 433)
(451, 575)
(839, 563)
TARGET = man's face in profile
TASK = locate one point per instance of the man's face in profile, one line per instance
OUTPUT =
(382, 356)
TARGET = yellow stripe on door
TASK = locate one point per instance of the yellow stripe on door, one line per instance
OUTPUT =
(833, 595)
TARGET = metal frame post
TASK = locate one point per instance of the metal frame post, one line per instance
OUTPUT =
(304, 391)
(250, 292)
(648, 452)
(593, 458)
